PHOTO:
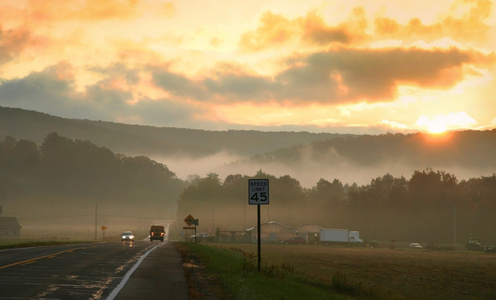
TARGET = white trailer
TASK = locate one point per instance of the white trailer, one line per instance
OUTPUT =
(339, 236)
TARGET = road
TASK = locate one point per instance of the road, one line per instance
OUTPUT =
(92, 271)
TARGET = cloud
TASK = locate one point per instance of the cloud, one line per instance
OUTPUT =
(273, 31)
(52, 91)
(316, 31)
(36, 90)
(468, 27)
(162, 62)
(277, 31)
(341, 76)
(334, 76)
(178, 84)
(12, 42)
(91, 10)
(371, 75)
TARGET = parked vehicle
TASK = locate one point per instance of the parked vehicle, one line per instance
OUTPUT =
(474, 245)
(127, 236)
(157, 232)
(490, 250)
(415, 246)
(200, 236)
(434, 246)
(295, 240)
(340, 236)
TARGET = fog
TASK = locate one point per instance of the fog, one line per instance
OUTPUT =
(67, 220)
(307, 171)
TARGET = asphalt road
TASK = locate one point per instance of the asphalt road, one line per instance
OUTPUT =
(142, 270)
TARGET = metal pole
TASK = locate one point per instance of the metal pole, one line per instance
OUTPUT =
(259, 239)
(96, 219)
(454, 225)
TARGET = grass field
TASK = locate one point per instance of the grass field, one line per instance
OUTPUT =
(380, 273)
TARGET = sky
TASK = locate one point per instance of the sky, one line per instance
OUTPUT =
(369, 67)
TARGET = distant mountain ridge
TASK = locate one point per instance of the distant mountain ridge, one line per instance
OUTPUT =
(149, 140)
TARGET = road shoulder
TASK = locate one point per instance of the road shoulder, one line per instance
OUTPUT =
(160, 275)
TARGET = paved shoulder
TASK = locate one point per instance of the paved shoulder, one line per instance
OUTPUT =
(159, 276)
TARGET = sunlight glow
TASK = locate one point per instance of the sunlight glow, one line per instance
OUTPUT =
(441, 122)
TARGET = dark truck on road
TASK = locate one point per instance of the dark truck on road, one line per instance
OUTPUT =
(157, 232)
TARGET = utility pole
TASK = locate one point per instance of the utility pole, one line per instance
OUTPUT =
(454, 225)
(96, 219)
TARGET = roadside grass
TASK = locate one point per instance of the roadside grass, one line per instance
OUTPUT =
(237, 272)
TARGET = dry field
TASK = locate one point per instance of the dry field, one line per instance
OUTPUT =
(398, 273)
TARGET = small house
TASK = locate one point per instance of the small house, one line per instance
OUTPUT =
(9, 228)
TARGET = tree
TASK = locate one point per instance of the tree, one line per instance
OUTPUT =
(7, 150)
(26, 155)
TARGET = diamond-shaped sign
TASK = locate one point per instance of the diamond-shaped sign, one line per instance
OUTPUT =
(189, 220)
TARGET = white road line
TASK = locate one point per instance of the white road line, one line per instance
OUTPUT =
(128, 274)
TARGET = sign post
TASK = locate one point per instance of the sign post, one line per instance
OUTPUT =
(258, 194)
(191, 221)
(103, 231)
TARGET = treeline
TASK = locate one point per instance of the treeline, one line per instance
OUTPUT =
(79, 169)
(431, 206)
(467, 149)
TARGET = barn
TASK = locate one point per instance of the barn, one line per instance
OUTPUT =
(271, 232)
(9, 228)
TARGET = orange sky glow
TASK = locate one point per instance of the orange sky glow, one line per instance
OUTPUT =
(319, 66)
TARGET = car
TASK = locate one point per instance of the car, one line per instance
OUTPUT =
(127, 236)
(295, 240)
(415, 246)
(200, 236)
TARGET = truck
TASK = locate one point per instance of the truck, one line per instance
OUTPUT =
(340, 236)
(157, 232)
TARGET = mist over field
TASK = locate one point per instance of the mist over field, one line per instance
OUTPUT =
(308, 171)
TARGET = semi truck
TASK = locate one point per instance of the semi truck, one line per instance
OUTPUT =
(340, 236)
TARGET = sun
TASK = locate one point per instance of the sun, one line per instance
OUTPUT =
(437, 127)
(442, 123)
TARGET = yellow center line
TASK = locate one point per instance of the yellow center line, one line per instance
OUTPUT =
(32, 260)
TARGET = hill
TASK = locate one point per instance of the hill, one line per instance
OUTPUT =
(149, 140)
(302, 155)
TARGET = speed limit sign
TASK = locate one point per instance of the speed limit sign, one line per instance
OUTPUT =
(258, 191)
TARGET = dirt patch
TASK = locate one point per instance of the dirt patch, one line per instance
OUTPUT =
(201, 284)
